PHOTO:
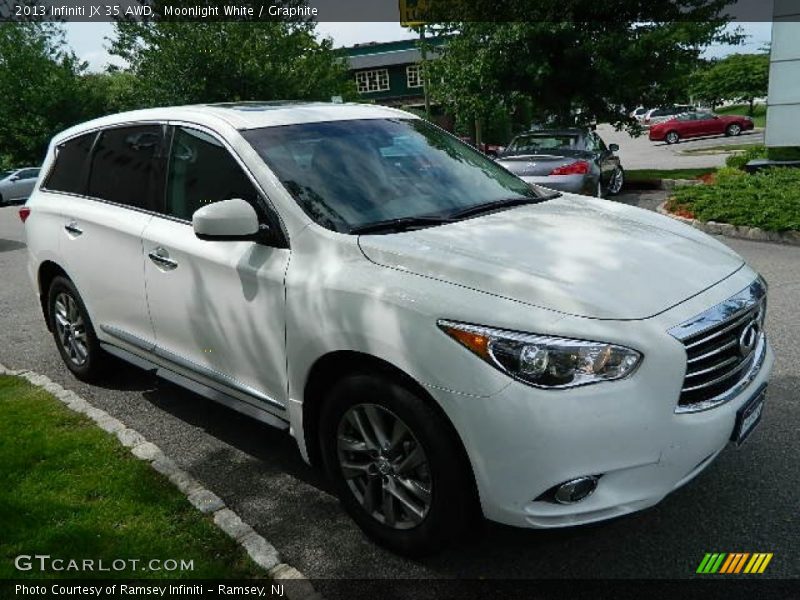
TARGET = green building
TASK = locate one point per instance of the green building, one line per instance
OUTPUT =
(389, 72)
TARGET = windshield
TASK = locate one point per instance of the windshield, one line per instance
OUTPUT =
(538, 143)
(348, 174)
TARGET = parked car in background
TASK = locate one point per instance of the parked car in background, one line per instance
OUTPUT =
(657, 115)
(568, 160)
(697, 124)
(638, 113)
(17, 184)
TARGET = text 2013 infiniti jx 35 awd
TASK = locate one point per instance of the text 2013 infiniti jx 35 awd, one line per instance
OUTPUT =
(442, 338)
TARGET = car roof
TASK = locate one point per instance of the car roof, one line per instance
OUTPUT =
(246, 115)
(563, 131)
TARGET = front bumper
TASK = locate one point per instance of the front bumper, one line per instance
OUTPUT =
(523, 441)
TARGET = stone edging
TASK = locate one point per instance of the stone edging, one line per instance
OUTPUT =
(791, 238)
(260, 550)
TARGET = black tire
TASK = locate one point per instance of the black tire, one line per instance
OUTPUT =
(615, 188)
(92, 364)
(452, 500)
(672, 137)
(733, 130)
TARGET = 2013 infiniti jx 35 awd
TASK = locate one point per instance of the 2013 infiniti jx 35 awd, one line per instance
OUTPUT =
(434, 332)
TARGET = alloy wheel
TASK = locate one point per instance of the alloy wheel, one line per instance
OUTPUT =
(384, 466)
(71, 329)
(734, 130)
(672, 137)
(617, 181)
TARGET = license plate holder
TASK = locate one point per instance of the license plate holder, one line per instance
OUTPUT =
(749, 416)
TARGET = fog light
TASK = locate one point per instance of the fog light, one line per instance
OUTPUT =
(576, 490)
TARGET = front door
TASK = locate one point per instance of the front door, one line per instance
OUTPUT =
(217, 306)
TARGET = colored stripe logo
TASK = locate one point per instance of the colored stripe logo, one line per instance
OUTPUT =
(734, 562)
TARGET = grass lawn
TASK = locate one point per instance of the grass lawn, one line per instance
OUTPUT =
(768, 199)
(71, 490)
(723, 148)
(759, 112)
(651, 174)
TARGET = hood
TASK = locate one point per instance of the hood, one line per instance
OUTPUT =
(576, 255)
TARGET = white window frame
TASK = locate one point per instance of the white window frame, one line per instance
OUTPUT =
(374, 80)
(414, 76)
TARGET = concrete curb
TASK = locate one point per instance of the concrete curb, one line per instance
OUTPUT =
(791, 238)
(260, 550)
(658, 184)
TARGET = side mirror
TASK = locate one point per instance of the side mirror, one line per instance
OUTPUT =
(228, 220)
(613, 147)
(14, 178)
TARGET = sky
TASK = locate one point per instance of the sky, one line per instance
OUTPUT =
(89, 40)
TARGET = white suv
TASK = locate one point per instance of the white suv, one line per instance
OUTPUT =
(440, 336)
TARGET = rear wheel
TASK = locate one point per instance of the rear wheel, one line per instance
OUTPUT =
(616, 182)
(396, 470)
(73, 330)
(733, 129)
(672, 137)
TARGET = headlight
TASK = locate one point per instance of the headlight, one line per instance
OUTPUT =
(545, 361)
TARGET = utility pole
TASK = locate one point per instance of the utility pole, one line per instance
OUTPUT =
(424, 69)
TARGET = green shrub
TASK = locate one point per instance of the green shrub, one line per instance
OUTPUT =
(786, 153)
(768, 199)
(739, 160)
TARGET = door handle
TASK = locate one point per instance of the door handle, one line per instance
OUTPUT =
(72, 227)
(161, 258)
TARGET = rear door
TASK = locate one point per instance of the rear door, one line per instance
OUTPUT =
(217, 306)
(102, 231)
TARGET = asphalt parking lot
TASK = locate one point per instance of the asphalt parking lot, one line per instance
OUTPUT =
(641, 153)
(747, 501)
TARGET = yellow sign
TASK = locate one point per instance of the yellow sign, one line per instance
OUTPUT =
(412, 12)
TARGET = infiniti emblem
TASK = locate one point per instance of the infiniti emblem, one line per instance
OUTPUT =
(749, 337)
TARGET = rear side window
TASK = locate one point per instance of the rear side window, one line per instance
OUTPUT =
(202, 171)
(125, 166)
(69, 170)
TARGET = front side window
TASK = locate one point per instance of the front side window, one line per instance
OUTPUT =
(413, 76)
(372, 81)
(28, 174)
(125, 166)
(348, 174)
(69, 169)
(202, 171)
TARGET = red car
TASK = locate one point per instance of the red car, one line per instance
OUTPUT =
(696, 124)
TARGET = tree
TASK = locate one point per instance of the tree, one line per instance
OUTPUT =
(596, 67)
(180, 63)
(738, 77)
(41, 89)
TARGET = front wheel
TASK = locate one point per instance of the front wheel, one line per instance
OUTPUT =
(73, 330)
(397, 470)
(672, 137)
(733, 130)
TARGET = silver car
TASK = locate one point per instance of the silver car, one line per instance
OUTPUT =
(17, 184)
(568, 160)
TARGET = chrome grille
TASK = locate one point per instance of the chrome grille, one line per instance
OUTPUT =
(725, 346)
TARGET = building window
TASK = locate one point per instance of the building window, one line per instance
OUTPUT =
(413, 76)
(372, 81)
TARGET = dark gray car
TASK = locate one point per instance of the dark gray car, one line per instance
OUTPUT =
(568, 160)
(17, 184)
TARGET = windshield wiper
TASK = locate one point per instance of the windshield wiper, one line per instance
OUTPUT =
(498, 204)
(399, 224)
